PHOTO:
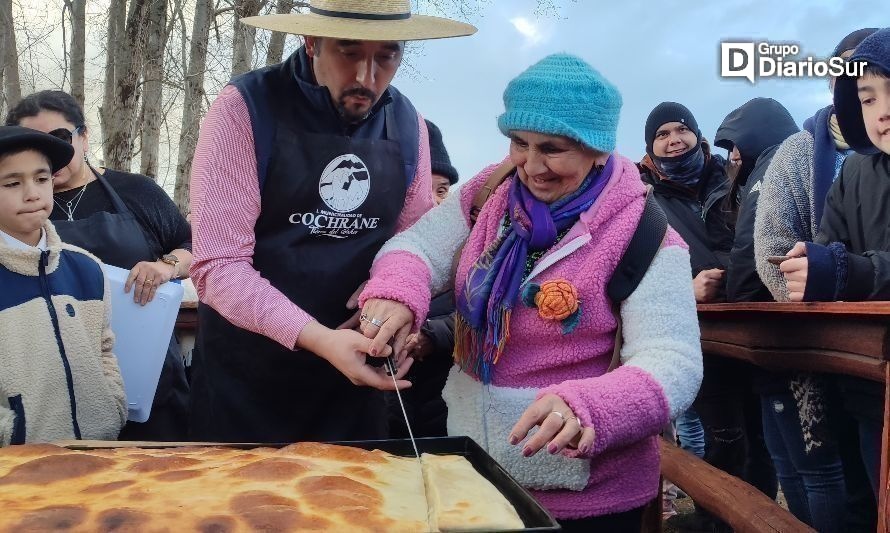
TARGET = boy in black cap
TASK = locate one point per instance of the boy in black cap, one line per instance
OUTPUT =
(432, 346)
(850, 258)
(60, 379)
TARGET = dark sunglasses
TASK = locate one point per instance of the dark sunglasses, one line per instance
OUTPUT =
(65, 134)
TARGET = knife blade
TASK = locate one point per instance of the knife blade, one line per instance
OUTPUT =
(391, 370)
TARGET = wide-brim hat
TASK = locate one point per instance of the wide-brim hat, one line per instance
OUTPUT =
(17, 139)
(363, 20)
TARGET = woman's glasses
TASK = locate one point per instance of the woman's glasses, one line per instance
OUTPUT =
(65, 134)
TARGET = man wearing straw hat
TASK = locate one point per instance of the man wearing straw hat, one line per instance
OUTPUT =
(302, 171)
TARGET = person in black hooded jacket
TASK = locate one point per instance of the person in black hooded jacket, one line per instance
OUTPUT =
(727, 402)
(752, 134)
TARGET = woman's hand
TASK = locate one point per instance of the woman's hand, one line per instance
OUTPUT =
(795, 272)
(347, 351)
(146, 277)
(385, 320)
(559, 428)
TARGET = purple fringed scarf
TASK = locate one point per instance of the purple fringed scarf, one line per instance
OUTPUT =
(492, 285)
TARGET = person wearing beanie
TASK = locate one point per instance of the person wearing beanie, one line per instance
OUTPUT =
(690, 185)
(849, 259)
(60, 379)
(534, 327)
(444, 174)
(807, 450)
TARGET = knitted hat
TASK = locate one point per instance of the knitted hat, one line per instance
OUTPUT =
(852, 40)
(669, 112)
(875, 50)
(563, 95)
(439, 159)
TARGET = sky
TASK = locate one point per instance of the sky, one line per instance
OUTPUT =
(653, 52)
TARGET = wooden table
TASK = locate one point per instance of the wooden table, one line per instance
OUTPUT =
(837, 338)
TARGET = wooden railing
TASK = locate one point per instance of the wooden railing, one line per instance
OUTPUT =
(836, 338)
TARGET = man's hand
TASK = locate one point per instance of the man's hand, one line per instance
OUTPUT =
(795, 272)
(347, 351)
(707, 285)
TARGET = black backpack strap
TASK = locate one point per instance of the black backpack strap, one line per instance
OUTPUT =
(641, 251)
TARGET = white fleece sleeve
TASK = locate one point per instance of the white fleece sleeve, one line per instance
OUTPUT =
(660, 328)
(7, 424)
(436, 238)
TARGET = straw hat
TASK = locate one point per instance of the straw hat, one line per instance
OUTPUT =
(363, 20)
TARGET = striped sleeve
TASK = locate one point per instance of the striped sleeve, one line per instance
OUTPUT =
(419, 197)
(225, 200)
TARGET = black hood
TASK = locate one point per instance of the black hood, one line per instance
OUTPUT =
(755, 127)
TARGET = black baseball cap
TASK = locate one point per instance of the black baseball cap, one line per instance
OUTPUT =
(17, 139)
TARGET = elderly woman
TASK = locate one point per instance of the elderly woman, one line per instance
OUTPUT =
(535, 329)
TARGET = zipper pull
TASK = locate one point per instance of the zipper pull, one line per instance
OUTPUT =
(44, 258)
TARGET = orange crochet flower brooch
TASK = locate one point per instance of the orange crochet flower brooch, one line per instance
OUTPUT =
(556, 300)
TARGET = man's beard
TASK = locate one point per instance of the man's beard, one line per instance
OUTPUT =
(351, 117)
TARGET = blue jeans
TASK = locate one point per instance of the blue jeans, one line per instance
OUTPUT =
(691, 433)
(807, 458)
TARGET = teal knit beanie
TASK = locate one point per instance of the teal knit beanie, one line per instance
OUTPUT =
(563, 95)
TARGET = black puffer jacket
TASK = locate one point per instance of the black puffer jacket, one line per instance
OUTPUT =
(697, 214)
(757, 128)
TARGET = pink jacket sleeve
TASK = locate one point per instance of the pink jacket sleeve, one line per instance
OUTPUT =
(225, 200)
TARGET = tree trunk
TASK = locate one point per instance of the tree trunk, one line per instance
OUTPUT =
(152, 101)
(194, 96)
(10, 59)
(244, 35)
(275, 52)
(78, 50)
(129, 58)
(117, 16)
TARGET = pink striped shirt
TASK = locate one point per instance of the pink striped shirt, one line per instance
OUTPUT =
(225, 203)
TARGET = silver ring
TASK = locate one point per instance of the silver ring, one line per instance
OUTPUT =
(375, 322)
(560, 415)
(578, 420)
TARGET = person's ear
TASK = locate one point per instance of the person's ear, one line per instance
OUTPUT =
(311, 46)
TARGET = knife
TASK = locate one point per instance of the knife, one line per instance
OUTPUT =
(391, 370)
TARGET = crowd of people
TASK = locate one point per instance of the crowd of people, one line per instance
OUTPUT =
(547, 309)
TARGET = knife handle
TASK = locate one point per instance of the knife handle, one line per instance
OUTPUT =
(388, 362)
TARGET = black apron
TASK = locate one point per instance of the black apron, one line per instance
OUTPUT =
(117, 239)
(329, 203)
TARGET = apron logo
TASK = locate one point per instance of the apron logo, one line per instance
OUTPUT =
(345, 183)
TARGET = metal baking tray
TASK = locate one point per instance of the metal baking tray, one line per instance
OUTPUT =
(533, 515)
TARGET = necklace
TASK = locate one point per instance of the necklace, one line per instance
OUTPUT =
(75, 200)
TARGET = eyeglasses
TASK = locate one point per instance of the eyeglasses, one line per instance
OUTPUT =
(65, 134)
